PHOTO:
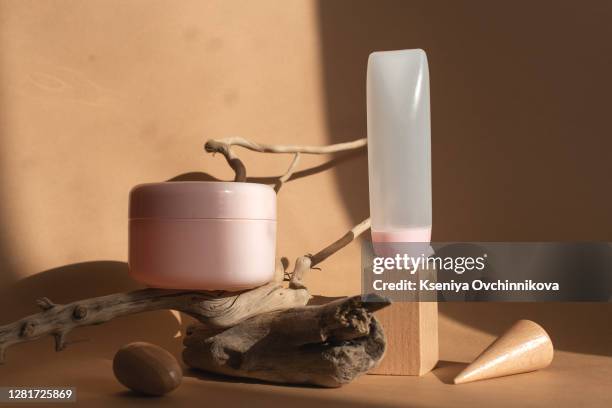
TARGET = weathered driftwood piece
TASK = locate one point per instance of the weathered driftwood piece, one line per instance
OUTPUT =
(216, 309)
(327, 345)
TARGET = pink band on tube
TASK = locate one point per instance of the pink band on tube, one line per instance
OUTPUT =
(412, 234)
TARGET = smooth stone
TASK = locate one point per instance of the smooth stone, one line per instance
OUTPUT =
(147, 369)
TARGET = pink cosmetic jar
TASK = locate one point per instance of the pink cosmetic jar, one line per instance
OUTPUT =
(202, 235)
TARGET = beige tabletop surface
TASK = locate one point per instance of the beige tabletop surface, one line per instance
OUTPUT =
(580, 375)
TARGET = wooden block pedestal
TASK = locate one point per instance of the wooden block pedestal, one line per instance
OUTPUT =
(412, 338)
(411, 329)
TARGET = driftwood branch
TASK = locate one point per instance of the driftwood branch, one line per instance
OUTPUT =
(224, 146)
(327, 345)
(285, 177)
(305, 263)
(341, 243)
(216, 309)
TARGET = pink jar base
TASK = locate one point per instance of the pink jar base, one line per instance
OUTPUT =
(204, 254)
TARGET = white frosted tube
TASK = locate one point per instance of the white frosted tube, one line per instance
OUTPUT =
(399, 146)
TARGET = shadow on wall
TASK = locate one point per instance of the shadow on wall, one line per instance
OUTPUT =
(7, 269)
(509, 102)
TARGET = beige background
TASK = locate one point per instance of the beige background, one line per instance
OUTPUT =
(98, 96)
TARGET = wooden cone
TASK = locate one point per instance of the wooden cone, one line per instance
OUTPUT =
(524, 347)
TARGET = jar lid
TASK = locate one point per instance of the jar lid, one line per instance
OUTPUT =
(203, 199)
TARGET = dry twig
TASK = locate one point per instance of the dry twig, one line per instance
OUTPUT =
(224, 146)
